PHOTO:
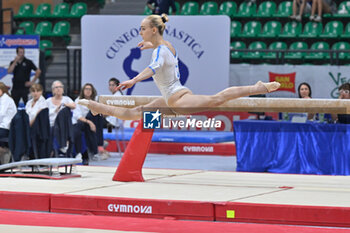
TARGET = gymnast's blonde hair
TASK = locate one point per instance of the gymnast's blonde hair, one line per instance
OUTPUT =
(158, 22)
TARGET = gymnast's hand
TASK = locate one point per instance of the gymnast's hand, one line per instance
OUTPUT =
(145, 45)
(126, 84)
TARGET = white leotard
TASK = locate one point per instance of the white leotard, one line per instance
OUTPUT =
(166, 71)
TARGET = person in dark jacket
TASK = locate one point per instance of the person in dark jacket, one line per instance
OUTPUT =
(19, 136)
(344, 93)
(63, 131)
(159, 7)
(21, 68)
(40, 135)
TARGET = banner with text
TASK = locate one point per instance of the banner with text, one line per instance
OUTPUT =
(8, 45)
(109, 49)
(324, 80)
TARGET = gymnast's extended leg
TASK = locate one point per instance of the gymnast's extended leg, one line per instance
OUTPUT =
(186, 99)
(122, 112)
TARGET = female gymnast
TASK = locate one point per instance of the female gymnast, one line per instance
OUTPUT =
(165, 71)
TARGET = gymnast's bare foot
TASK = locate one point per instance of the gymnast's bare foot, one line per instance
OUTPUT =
(84, 102)
(88, 104)
(267, 87)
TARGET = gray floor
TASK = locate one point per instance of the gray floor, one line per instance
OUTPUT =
(203, 162)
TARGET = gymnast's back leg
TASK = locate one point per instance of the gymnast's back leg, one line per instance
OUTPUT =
(122, 113)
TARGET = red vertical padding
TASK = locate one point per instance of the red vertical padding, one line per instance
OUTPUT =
(130, 167)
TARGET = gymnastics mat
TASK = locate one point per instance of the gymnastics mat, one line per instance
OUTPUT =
(174, 136)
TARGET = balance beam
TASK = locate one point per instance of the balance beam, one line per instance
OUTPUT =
(248, 104)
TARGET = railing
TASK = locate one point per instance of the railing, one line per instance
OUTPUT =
(73, 79)
(76, 66)
(6, 22)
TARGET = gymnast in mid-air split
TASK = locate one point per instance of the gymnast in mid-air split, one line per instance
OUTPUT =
(165, 71)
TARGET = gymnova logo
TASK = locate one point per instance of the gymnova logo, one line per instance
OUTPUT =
(121, 102)
(155, 120)
(198, 149)
(118, 208)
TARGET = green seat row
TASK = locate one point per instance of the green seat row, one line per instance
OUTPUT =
(291, 53)
(207, 8)
(247, 9)
(343, 10)
(230, 8)
(272, 29)
(44, 28)
(270, 9)
(61, 10)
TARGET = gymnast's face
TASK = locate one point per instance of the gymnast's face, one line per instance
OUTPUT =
(304, 91)
(146, 31)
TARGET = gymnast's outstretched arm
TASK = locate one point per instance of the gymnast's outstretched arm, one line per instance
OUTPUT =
(145, 74)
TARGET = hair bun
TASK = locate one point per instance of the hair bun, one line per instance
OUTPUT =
(164, 18)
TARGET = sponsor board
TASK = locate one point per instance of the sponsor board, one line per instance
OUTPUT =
(8, 45)
(324, 80)
(112, 52)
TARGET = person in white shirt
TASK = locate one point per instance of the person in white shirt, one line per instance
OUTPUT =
(164, 69)
(113, 84)
(37, 103)
(58, 101)
(83, 122)
(55, 103)
(8, 110)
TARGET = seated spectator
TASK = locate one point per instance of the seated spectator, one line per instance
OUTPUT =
(113, 83)
(37, 110)
(7, 111)
(37, 103)
(113, 122)
(55, 104)
(91, 126)
(344, 93)
(19, 135)
(323, 7)
(304, 91)
(159, 7)
(300, 7)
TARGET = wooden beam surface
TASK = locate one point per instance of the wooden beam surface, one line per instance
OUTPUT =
(249, 104)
